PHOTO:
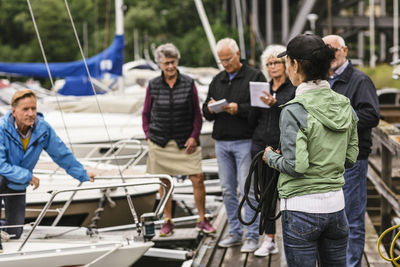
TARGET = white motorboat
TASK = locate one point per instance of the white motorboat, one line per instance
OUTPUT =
(97, 208)
(76, 246)
(73, 249)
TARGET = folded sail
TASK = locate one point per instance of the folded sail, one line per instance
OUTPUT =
(108, 61)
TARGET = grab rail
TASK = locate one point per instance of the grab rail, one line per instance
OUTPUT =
(158, 211)
(130, 151)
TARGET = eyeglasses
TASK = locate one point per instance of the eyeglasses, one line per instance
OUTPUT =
(273, 63)
(338, 49)
(172, 62)
(226, 61)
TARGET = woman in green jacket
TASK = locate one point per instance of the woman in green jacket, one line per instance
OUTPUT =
(318, 141)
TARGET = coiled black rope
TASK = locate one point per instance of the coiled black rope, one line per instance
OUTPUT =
(265, 192)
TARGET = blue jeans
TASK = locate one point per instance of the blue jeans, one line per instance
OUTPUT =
(307, 236)
(14, 207)
(234, 161)
(355, 196)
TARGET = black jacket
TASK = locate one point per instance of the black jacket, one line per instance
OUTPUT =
(359, 88)
(232, 127)
(265, 121)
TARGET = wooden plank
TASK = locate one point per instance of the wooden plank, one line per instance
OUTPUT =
(372, 257)
(208, 245)
(387, 135)
(179, 234)
(384, 190)
(217, 258)
(254, 261)
(234, 258)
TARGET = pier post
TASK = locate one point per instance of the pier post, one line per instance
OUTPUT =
(386, 175)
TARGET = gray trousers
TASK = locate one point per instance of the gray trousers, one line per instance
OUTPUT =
(14, 207)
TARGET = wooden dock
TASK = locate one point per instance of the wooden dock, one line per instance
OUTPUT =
(208, 253)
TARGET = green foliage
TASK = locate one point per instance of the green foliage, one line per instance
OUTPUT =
(157, 21)
(381, 75)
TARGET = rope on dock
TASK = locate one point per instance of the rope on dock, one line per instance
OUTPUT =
(392, 258)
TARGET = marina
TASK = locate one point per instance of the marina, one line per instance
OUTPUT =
(95, 106)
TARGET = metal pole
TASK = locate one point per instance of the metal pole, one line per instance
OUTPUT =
(65, 207)
(136, 44)
(119, 30)
(85, 39)
(285, 21)
(395, 30)
(240, 29)
(207, 29)
(386, 175)
(382, 35)
(361, 33)
(329, 17)
(269, 22)
(371, 34)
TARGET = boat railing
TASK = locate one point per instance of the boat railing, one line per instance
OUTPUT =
(146, 218)
(123, 154)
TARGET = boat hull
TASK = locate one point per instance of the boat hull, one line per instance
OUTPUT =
(123, 256)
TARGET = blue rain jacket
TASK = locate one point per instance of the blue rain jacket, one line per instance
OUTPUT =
(16, 165)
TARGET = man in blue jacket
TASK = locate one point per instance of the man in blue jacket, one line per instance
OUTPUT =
(23, 136)
(358, 87)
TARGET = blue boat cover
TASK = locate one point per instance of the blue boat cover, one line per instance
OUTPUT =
(110, 60)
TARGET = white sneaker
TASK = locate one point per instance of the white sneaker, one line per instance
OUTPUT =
(250, 245)
(4, 236)
(267, 247)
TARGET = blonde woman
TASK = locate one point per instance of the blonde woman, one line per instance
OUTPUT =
(265, 122)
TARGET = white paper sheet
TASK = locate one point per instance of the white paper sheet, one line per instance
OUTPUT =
(217, 105)
(257, 90)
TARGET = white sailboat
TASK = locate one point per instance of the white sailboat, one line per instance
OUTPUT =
(76, 246)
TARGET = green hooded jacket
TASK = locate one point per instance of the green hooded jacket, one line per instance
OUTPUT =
(318, 141)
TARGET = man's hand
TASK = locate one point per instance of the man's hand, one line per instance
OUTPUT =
(35, 182)
(268, 99)
(210, 102)
(190, 145)
(231, 108)
(91, 176)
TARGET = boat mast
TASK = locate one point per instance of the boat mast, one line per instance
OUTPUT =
(207, 29)
(119, 30)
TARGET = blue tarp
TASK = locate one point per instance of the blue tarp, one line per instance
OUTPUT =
(78, 86)
(110, 60)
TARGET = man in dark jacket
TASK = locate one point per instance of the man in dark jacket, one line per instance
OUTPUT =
(233, 138)
(347, 80)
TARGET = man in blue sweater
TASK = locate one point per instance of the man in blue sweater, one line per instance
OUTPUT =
(349, 81)
(23, 136)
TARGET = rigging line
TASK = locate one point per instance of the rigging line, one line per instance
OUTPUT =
(49, 73)
(91, 83)
(134, 214)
